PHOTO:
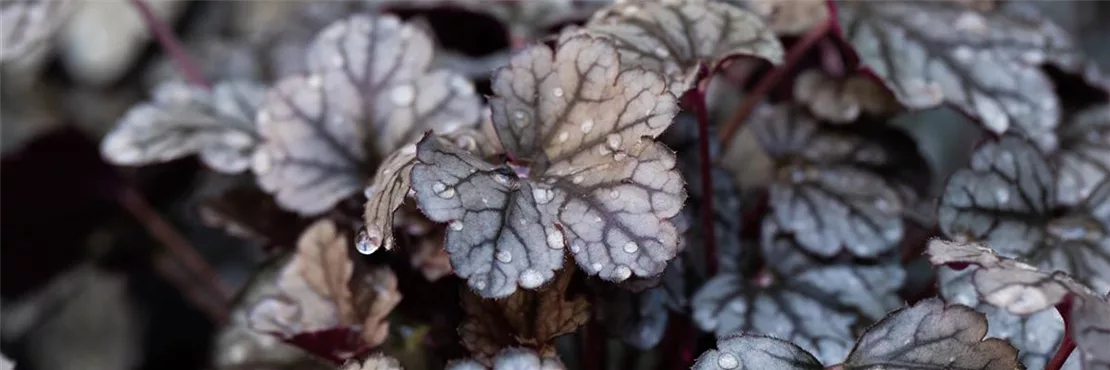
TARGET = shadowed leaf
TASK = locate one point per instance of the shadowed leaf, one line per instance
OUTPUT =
(181, 120)
(376, 362)
(1083, 159)
(25, 25)
(512, 359)
(755, 352)
(843, 99)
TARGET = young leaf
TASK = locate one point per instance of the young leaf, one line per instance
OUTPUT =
(679, 37)
(1083, 159)
(845, 99)
(586, 174)
(727, 304)
(368, 93)
(985, 62)
(931, 335)
(746, 351)
(181, 120)
(376, 362)
(1035, 336)
(833, 190)
(1007, 199)
(512, 359)
(26, 24)
(320, 293)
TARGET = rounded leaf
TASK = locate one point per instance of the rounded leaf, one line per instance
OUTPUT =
(24, 25)
(1083, 160)
(754, 352)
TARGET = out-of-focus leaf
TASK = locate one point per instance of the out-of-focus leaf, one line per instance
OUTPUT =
(791, 17)
(836, 190)
(249, 213)
(727, 210)
(511, 359)
(755, 352)
(1036, 336)
(1091, 331)
(181, 120)
(376, 362)
(5, 363)
(322, 299)
(532, 318)
(640, 318)
(844, 99)
(1083, 159)
(679, 37)
(25, 24)
(931, 335)
(871, 289)
(985, 62)
(368, 93)
(727, 304)
(430, 258)
(585, 174)
(1007, 198)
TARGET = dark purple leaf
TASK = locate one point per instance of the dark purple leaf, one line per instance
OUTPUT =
(586, 174)
(754, 352)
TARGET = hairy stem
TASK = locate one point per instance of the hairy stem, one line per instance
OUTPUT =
(170, 43)
(184, 255)
(695, 100)
(764, 86)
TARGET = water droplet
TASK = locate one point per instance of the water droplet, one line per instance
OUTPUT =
(952, 359)
(462, 86)
(367, 244)
(587, 125)
(315, 81)
(619, 156)
(882, 205)
(555, 239)
(369, 191)
(501, 179)
(577, 179)
(630, 247)
(596, 266)
(622, 273)
(479, 284)
(614, 141)
(452, 125)
(263, 117)
(1002, 195)
(631, 9)
(530, 279)
(615, 194)
(446, 193)
(522, 221)
(456, 225)
(727, 361)
(261, 162)
(504, 256)
(558, 92)
(542, 196)
(520, 119)
(575, 248)
(403, 95)
(563, 136)
(485, 200)
(662, 52)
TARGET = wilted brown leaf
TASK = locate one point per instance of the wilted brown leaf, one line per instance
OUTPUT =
(375, 297)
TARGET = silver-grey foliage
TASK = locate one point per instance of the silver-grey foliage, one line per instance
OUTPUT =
(585, 174)
(26, 24)
(181, 119)
(368, 93)
(511, 359)
(753, 352)
(1083, 160)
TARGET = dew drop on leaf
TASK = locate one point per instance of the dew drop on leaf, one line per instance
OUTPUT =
(504, 256)
(555, 239)
(364, 244)
(530, 279)
(558, 92)
(563, 137)
(587, 125)
(622, 272)
(456, 225)
(614, 141)
(728, 361)
(631, 247)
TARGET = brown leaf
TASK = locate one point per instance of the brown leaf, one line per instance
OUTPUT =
(323, 262)
(843, 100)
(485, 330)
(375, 296)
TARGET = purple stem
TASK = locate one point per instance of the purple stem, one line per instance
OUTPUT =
(169, 42)
(695, 100)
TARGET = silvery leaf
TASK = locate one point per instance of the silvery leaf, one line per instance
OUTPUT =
(512, 359)
(585, 173)
(181, 120)
(932, 335)
(984, 61)
(25, 24)
(843, 99)
(376, 362)
(367, 94)
(755, 352)
(679, 37)
(1007, 198)
(1083, 159)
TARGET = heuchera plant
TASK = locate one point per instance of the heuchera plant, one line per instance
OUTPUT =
(661, 173)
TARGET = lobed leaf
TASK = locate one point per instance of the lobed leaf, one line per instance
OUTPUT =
(181, 120)
(983, 61)
(512, 359)
(368, 93)
(25, 25)
(585, 174)
(677, 38)
(747, 351)
(834, 190)
(1007, 198)
(931, 335)
(1090, 317)
(640, 318)
(378, 361)
(1083, 160)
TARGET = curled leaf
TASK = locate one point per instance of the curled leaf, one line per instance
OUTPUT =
(368, 93)
(321, 297)
(1007, 198)
(746, 351)
(376, 362)
(931, 335)
(585, 174)
(680, 37)
(512, 359)
(983, 61)
(181, 120)
(24, 25)
(1083, 159)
